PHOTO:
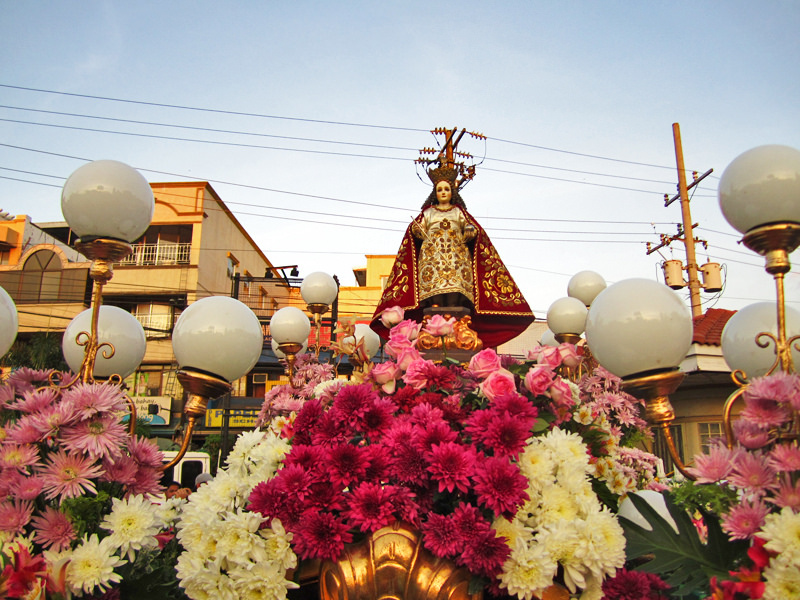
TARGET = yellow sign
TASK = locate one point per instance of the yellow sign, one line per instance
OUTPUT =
(240, 418)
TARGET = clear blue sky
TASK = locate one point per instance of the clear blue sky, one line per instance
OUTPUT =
(577, 99)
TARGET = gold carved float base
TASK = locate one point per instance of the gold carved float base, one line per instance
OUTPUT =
(392, 564)
(461, 345)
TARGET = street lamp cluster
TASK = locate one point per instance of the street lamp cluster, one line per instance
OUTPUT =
(637, 329)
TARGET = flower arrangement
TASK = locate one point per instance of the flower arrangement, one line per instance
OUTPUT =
(758, 481)
(504, 467)
(75, 513)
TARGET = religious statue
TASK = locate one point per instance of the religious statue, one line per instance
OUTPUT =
(447, 262)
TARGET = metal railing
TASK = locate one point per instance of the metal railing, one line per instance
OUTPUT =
(158, 254)
(155, 326)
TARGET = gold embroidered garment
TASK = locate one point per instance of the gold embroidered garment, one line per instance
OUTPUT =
(444, 263)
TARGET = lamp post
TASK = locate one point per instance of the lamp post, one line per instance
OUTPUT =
(216, 341)
(759, 194)
(108, 205)
(566, 318)
(290, 328)
(9, 320)
(640, 330)
(319, 290)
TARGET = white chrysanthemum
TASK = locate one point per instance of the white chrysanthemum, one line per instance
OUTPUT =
(515, 532)
(262, 581)
(567, 449)
(170, 511)
(537, 466)
(92, 566)
(782, 579)
(238, 543)
(278, 545)
(782, 532)
(606, 543)
(133, 523)
(528, 572)
(557, 504)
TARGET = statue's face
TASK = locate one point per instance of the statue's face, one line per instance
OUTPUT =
(443, 192)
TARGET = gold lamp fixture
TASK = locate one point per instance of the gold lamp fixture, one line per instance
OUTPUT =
(319, 290)
(759, 194)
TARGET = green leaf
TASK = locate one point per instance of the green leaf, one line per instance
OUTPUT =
(681, 559)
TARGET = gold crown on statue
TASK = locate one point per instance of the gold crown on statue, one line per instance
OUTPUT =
(447, 174)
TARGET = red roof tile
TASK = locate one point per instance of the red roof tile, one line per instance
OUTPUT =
(708, 327)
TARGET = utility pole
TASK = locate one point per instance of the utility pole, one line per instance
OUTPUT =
(686, 232)
(688, 238)
(448, 155)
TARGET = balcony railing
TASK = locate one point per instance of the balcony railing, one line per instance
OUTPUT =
(155, 326)
(158, 254)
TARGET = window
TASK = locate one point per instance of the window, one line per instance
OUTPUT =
(709, 432)
(233, 265)
(42, 279)
(156, 319)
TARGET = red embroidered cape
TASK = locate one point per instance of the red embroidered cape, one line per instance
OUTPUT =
(500, 312)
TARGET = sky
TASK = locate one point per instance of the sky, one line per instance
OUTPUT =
(306, 118)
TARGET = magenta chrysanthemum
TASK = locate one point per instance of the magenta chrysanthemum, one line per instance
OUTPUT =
(506, 435)
(294, 481)
(53, 529)
(369, 506)
(346, 463)
(485, 554)
(499, 485)
(320, 535)
(352, 403)
(451, 465)
(440, 535)
(68, 476)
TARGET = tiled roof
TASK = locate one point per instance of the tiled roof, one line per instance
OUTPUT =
(708, 327)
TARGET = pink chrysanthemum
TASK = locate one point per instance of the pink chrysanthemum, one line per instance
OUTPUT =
(499, 485)
(18, 456)
(68, 476)
(785, 457)
(50, 421)
(451, 465)
(744, 519)
(15, 515)
(122, 470)
(6, 395)
(27, 488)
(346, 463)
(53, 529)
(145, 453)
(320, 535)
(99, 436)
(440, 535)
(147, 481)
(779, 387)
(765, 412)
(90, 399)
(485, 554)
(716, 465)
(24, 431)
(25, 379)
(753, 473)
(369, 506)
(35, 401)
(787, 495)
(750, 435)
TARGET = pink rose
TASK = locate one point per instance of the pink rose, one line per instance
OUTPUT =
(569, 355)
(408, 328)
(538, 379)
(484, 363)
(392, 316)
(561, 393)
(385, 375)
(406, 356)
(546, 356)
(398, 341)
(439, 326)
(497, 383)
